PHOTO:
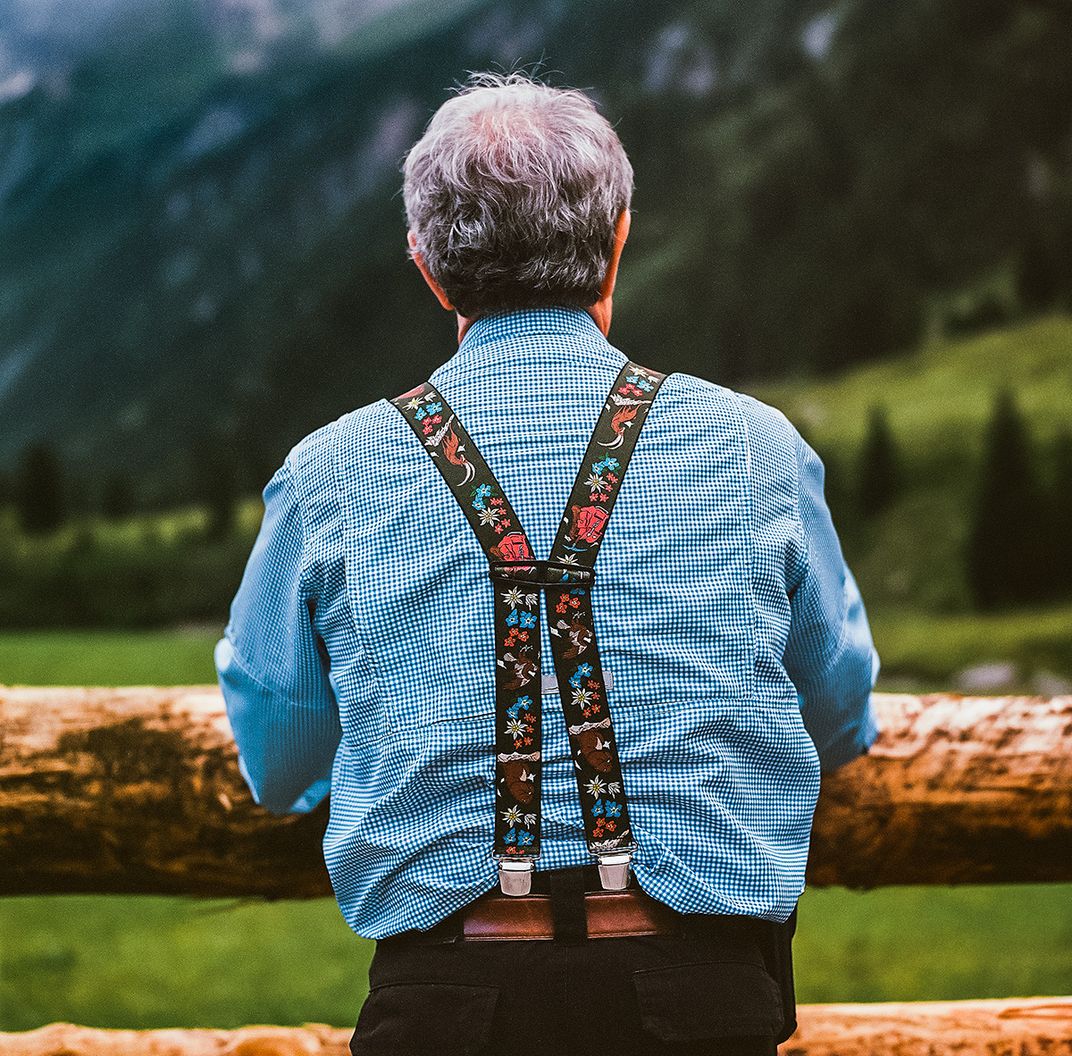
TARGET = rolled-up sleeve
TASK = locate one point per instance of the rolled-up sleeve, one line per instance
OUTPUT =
(829, 655)
(273, 668)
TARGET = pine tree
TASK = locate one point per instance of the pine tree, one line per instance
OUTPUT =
(216, 481)
(39, 496)
(116, 499)
(222, 500)
(1006, 549)
(878, 469)
(1059, 518)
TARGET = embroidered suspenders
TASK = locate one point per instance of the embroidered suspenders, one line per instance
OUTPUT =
(567, 576)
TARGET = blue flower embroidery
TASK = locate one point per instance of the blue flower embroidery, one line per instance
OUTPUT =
(512, 619)
(511, 836)
(483, 492)
(585, 669)
(605, 463)
(524, 838)
(597, 808)
(521, 704)
(614, 810)
(528, 619)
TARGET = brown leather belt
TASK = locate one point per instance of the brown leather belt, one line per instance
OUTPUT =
(609, 914)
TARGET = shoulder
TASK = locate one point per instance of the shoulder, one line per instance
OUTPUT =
(316, 464)
(769, 434)
(313, 458)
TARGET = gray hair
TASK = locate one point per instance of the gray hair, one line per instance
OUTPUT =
(513, 193)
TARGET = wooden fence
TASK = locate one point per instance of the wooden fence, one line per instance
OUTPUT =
(136, 790)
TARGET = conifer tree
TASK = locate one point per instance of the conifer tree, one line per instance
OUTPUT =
(216, 481)
(116, 499)
(222, 499)
(1059, 518)
(1006, 547)
(878, 469)
(39, 496)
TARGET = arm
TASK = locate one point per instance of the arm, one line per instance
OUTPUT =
(273, 667)
(829, 654)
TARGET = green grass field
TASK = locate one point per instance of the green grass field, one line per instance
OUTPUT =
(156, 962)
(918, 650)
(943, 391)
(153, 962)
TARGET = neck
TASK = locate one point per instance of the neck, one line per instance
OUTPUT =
(600, 313)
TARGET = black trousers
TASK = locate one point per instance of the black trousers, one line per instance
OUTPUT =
(722, 987)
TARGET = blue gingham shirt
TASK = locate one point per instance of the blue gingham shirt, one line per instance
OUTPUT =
(359, 654)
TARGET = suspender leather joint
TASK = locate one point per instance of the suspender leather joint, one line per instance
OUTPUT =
(535, 572)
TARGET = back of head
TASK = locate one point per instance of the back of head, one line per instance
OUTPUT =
(512, 194)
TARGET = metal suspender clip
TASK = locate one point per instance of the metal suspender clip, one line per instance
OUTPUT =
(614, 869)
(515, 875)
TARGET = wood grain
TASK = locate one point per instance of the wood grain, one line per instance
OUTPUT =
(137, 789)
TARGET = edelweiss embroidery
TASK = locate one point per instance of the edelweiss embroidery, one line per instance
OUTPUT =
(567, 575)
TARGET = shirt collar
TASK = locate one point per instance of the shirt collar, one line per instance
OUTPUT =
(554, 333)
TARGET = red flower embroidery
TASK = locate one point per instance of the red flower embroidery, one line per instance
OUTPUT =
(586, 523)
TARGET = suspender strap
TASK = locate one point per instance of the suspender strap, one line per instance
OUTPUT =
(596, 766)
(518, 579)
(516, 619)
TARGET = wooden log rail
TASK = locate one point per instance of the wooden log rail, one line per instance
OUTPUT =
(1029, 1026)
(137, 790)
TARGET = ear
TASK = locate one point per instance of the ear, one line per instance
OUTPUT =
(434, 286)
(621, 233)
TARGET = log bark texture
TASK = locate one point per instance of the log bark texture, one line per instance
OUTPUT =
(137, 790)
(1029, 1026)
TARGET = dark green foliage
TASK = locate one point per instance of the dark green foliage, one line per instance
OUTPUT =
(838, 493)
(151, 582)
(117, 499)
(798, 206)
(215, 475)
(39, 490)
(878, 470)
(1006, 559)
(1059, 518)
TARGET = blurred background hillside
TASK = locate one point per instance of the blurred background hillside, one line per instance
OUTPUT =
(858, 210)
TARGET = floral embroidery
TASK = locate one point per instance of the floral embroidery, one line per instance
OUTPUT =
(518, 757)
(601, 480)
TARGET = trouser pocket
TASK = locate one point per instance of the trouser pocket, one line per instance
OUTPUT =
(710, 1000)
(403, 1019)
